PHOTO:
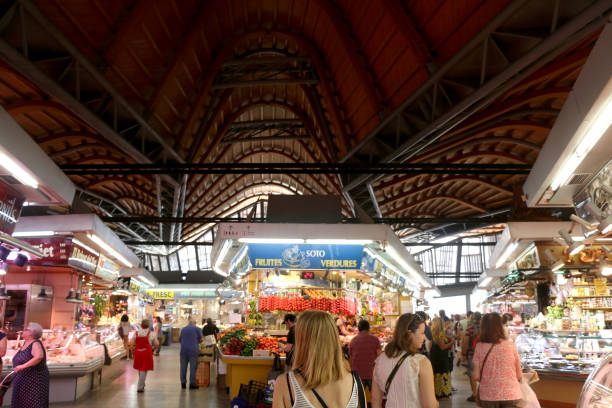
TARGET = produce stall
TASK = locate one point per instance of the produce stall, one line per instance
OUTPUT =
(289, 268)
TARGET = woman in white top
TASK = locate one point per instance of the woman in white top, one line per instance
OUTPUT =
(320, 377)
(413, 383)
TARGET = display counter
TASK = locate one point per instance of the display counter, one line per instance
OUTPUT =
(563, 361)
(241, 370)
(75, 364)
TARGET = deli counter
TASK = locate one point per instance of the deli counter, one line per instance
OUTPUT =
(75, 360)
(563, 361)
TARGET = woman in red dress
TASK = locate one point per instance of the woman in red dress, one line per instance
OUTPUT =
(143, 352)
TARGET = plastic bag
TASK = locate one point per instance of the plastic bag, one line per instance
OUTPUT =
(529, 400)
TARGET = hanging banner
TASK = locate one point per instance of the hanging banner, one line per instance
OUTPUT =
(11, 202)
(305, 256)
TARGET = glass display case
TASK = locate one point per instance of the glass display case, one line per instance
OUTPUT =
(109, 337)
(597, 389)
(68, 352)
(563, 352)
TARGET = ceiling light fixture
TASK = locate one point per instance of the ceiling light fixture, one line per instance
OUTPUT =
(17, 171)
(110, 250)
(605, 223)
(573, 247)
(33, 233)
(509, 250)
(598, 125)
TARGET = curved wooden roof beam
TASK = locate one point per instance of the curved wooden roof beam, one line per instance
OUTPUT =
(492, 154)
(138, 202)
(190, 202)
(140, 194)
(234, 116)
(84, 146)
(440, 197)
(227, 51)
(508, 105)
(148, 184)
(440, 182)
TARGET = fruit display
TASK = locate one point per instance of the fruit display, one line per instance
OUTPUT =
(237, 331)
(254, 318)
(342, 306)
(234, 346)
(267, 343)
(249, 345)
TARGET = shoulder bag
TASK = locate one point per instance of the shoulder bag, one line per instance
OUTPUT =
(390, 379)
(477, 396)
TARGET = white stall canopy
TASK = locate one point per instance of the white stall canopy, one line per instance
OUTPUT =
(88, 230)
(139, 275)
(368, 244)
(578, 145)
(41, 180)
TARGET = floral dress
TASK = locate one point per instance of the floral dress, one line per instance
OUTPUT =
(31, 385)
(441, 368)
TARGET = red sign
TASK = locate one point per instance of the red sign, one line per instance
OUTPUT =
(63, 252)
(11, 202)
(56, 251)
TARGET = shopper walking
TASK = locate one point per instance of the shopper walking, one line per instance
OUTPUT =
(440, 360)
(143, 352)
(157, 330)
(124, 330)
(402, 375)
(31, 383)
(468, 345)
(497, 365)
(363, 350)
(319, 369)
(190, 338)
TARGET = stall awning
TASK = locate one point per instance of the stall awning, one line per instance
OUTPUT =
(373, 249)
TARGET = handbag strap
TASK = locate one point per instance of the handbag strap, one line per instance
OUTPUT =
(360, 393)
(394, 371)
(485, 360)
(289, 387)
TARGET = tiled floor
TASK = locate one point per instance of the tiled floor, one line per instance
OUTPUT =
(163, 389)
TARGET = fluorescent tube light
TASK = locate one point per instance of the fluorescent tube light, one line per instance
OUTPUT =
(599, 124)
(506, 254)
(224, 248)
(576, 248)
(110, 250)
(398, 258)
(339, 241)
(17, 171)
(271, 240)
(606, 271)
(34, 234)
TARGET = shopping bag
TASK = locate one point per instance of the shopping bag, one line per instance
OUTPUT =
(210, 340)
(277, 369)
(529, 400)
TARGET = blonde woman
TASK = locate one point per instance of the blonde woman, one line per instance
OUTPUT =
(402, 376)
(440, 360)
(320, 377)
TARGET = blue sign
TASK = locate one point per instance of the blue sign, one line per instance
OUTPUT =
(305, 256)
(371, 265)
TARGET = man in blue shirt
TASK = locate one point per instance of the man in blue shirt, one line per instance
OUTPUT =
(190, 338)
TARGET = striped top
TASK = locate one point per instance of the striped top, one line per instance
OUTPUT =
(302, 402)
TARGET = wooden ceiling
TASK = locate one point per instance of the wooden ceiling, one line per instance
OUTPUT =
(257, 81)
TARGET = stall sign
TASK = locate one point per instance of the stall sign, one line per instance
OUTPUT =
(107, 269)
(161, 294)
(11, 202)
(371, 265)
(134, 287)
(192, 294)
(55, 250)
(83, 259)
(305, 256)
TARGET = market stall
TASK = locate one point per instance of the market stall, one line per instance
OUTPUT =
(289, 268)
(561, 296)
(64, 291)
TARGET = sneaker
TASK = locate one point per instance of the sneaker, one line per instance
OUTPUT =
(193, 387)
(183, 386)
(471, 398)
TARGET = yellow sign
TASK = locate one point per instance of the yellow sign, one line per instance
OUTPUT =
(601, 287)
(161, 294)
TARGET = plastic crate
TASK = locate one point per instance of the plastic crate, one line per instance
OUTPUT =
(253, 392)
